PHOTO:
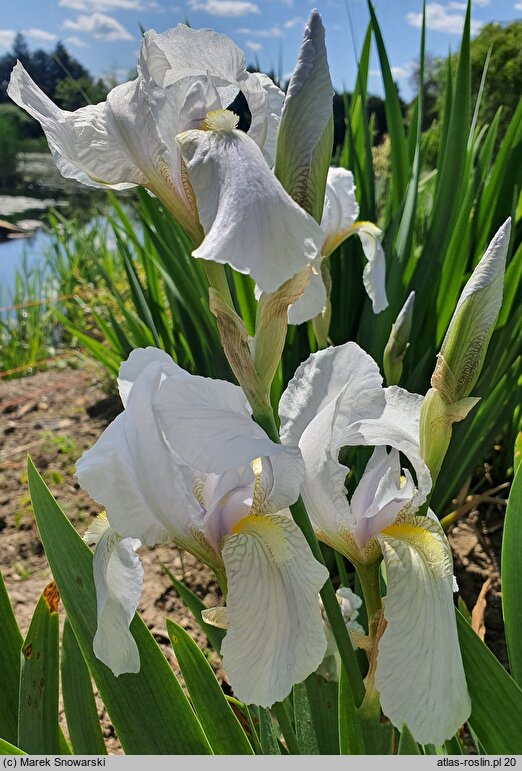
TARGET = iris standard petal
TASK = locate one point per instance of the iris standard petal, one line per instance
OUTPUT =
(118, 577)
(398, 427)
(189, 54)
(249, 221)
(275, 635)
(208, 424)
(419, 675)
(320, 380)
(138, 359)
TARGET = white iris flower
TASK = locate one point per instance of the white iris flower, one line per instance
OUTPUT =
(336, 401)
(133, 138)
(186, 463)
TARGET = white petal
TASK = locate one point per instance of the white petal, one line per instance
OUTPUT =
(275, 104)
(340, 207)
(208, 424)
(320, 380)
(118, 576)
(250, 222)
(374, 273)
(84, 143)
(138, 359)
(275, 635)
(133, 473)
(380, 496)
(185, 54)
(419, 673)
(312, 301)
(398, 427)
(281, 478)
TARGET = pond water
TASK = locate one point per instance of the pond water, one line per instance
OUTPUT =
(40, 189)
(14, 254)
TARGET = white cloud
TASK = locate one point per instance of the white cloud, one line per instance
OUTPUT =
(518, 6)
(253, 46)
(402, 70)
(440, 20)
(73, 40)
(99, 26)
(231, 8)
(481, 3)
(271, 32)
(6, 37)
(457, 6)
(90, 6)
(297, 21)
(39, 34)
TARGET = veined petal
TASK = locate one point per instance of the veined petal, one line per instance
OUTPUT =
(398, 427)
(83, 143)
(312, 301)
(118, 577)
(320, 380)
(340, 207)
(275, 635)
(249, 220)
(419, 676)
(208, 424)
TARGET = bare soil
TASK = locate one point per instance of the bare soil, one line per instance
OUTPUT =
(54, 416)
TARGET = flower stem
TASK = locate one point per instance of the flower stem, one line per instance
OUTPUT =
(217, 278)
(369, 576)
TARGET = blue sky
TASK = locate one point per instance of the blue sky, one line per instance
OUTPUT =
(104, 34)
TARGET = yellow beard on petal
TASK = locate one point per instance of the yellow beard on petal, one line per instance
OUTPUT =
(434, 550)
(219, 120)
(269, 532)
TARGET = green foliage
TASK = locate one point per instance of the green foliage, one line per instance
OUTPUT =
(502, 43)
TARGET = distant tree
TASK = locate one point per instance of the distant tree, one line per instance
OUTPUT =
(70, 94)
(62, 77)
(503, 85)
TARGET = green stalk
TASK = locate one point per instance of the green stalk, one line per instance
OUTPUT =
(369, 576)
(217, 278)
(332, 608)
